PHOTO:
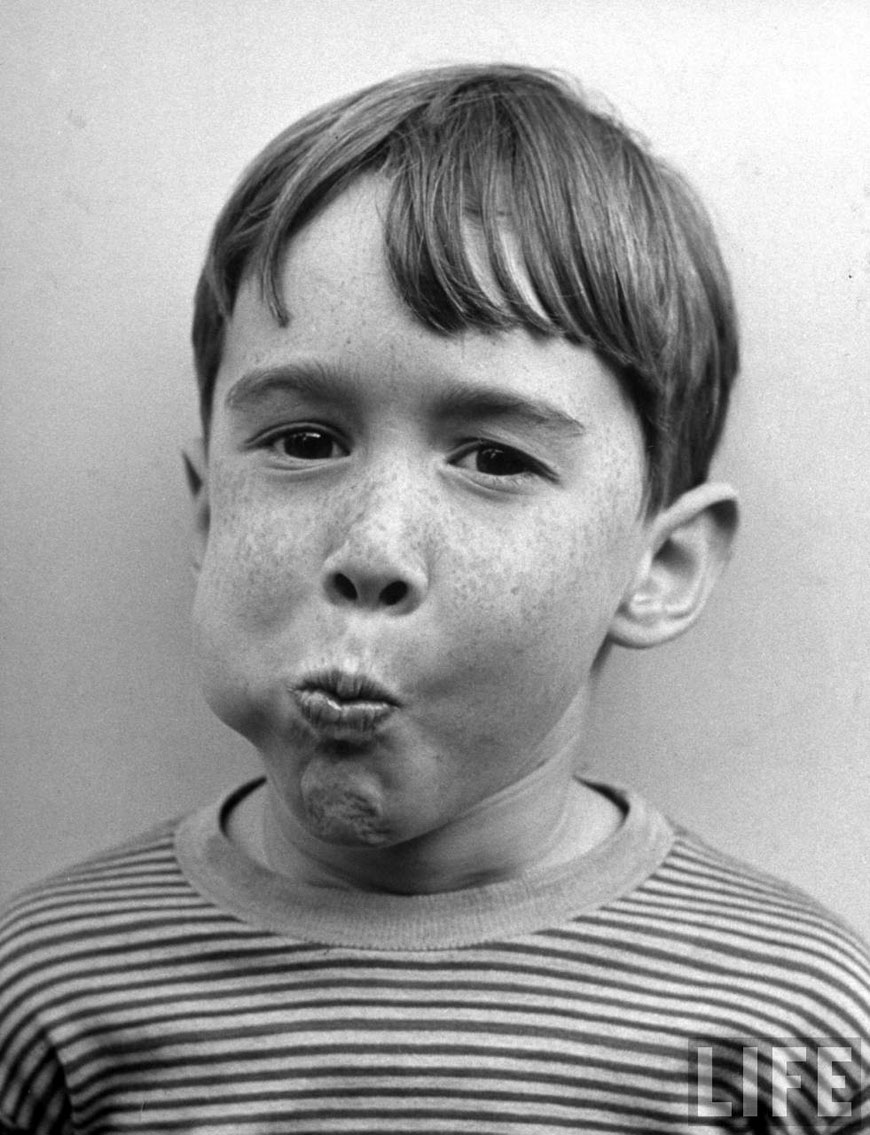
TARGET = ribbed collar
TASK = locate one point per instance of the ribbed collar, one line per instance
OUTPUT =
(267, 901)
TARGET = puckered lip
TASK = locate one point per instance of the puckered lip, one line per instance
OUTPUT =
(346, 685)
(344, 704)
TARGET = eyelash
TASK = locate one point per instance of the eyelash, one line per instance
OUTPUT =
(530, 468)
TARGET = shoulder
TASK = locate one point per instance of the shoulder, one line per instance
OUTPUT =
(144, 853)
(68, 914)
(729, 886)
(754, 935)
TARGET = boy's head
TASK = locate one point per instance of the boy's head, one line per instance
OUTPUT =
(464, 353)
(510, 204)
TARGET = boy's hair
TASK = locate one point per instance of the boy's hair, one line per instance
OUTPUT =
(511, 204)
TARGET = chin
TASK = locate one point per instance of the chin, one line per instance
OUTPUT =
(341, 812)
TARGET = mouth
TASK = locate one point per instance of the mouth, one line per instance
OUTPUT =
(344, 704)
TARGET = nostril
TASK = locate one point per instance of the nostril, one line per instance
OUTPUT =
(344, 586)
(394, 593)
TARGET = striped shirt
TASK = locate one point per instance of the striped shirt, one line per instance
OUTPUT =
(652, 986)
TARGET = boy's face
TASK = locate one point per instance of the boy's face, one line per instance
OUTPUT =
(454, 519)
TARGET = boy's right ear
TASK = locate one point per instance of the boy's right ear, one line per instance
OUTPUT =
(196, 470)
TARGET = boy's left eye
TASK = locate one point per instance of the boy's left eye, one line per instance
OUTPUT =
(494, 460)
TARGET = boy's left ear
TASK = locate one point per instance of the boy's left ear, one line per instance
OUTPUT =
(196, 470)
(689, 544)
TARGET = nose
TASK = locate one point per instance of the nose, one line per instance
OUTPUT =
(379, 563)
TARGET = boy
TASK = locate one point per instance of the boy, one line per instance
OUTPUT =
(464, 353)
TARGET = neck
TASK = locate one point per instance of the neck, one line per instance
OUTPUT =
(545, 819)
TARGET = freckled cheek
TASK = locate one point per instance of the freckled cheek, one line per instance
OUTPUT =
(525, 593)
(557, 579)
(260, 561)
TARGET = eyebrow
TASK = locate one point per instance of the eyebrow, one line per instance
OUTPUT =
(494, 402)
(310, 378)
(453, 400)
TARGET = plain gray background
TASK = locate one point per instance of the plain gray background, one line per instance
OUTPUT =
(123, 126)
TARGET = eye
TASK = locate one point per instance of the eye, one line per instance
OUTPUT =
(499, 461)
(305, 443)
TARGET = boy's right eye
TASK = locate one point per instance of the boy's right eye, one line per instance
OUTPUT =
(304, 443)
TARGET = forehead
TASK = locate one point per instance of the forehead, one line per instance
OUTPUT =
(334, 280)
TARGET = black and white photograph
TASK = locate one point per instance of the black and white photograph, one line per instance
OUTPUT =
(434, 567)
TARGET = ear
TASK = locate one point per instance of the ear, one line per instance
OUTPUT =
(196, 470)
(689, 544)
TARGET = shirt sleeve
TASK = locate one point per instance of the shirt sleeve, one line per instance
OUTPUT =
(33, 1095)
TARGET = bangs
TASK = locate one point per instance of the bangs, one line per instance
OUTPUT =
(502, 212)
